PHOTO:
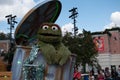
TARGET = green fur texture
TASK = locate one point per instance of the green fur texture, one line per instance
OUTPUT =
(51, 45)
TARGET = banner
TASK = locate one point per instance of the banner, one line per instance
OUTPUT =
(99, 42)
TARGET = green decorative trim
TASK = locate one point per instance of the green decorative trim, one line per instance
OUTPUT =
(21, 35)
(55, 12)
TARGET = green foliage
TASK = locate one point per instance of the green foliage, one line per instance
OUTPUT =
(88, 48)
(4, 36)
(83, 46)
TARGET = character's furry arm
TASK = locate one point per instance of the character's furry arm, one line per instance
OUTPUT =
(62, 54)
(48, 52)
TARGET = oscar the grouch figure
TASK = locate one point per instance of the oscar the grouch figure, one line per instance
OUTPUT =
(51, 46)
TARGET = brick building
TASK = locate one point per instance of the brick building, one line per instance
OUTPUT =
(4, 45)
(108, 45)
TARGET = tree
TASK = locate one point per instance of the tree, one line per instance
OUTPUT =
(88, 52)
(4, 36)
(73, 43)
(83, 46)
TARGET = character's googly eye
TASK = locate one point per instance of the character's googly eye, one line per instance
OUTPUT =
(54, 28)
(45, 27)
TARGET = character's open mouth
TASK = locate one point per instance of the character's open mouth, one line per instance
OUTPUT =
(48, 34)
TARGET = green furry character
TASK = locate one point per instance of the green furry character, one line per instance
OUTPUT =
(51, 46)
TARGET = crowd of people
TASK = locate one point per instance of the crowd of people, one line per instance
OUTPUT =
(106, 74)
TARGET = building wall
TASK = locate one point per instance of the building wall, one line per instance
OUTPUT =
(107, 60)
(110, 55)
(104, 60)
(107, 43)
(115, 42)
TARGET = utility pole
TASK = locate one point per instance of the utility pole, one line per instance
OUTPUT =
(11, 21)
(74, 16)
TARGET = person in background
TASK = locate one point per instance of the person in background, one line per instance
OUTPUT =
(91, 76)
(118, 72)
(114, 74)
(77, 74)
(100, 75)
(107, 74)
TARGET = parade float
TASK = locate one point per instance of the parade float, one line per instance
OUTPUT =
(40, 53)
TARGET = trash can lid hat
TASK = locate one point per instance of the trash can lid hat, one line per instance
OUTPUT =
(47, 11)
